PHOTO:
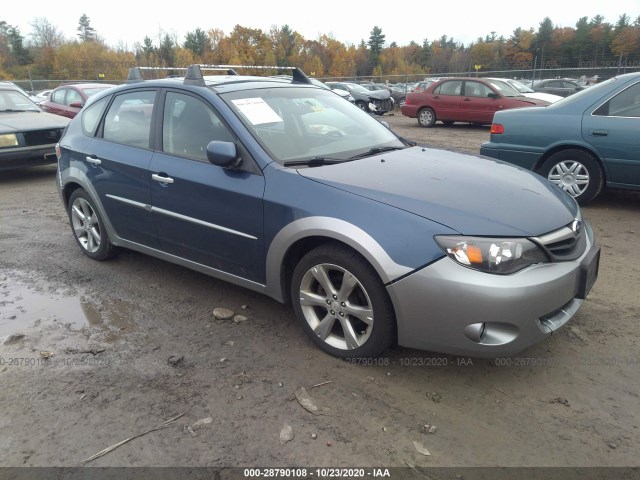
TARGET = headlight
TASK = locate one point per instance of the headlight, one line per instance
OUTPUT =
(492, 255)
(9, 140)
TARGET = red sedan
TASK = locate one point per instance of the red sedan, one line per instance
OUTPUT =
(469, 100)
(67, 100)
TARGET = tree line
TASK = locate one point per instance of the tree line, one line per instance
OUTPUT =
(45, 53)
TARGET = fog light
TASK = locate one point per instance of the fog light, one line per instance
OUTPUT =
(475, 331)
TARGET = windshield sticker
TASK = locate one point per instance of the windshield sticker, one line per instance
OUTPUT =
(257, 111)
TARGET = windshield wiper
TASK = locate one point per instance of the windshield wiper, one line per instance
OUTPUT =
(375, 151)
(314, 162)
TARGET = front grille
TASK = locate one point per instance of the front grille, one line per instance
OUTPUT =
(42, 137)
(566, 243)
(384, 105)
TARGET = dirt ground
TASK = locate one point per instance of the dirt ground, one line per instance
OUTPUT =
(94, 353)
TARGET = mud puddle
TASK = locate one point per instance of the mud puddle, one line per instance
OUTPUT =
(24, 306)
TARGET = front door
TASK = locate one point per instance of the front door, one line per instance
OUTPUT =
(205, 213)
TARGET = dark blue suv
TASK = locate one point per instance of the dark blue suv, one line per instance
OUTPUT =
(287, 189)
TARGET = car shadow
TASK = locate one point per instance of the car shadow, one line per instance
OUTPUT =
(27, 173)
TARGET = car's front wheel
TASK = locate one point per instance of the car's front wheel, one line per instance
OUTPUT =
(88, 227)
(362, 106)
(577, 172)
(426, 117)
(341, 303)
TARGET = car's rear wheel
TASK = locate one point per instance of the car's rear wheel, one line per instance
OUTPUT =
(577, 172)
(341, 303)
(88, 227)
(426, 117)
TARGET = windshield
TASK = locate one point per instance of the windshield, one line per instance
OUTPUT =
(521, 87)
(14, 101)
(505, 89)
(302, 123)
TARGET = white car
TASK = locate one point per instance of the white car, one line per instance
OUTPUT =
(529, 92)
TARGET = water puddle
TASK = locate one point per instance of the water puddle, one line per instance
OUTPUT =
(24, 306)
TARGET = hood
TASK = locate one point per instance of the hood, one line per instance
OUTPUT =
(379, 94)
(527, 101)
(28, 121)
(471, 194)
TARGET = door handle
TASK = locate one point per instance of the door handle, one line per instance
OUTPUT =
(437, 97)
(467, 99)
(599, 133)
(93, 160)
(161, 179)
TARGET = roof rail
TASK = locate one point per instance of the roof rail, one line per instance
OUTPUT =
(194, 76)
(298, 75)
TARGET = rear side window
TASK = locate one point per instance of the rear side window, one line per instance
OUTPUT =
(58, 96)
(449, 88)
(128, 120)
(624, 104)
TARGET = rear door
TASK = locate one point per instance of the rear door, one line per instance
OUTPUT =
(446, 99)
(117, 162)
(205, 213)
(614, 130)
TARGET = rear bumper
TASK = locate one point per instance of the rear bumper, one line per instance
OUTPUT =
(520, 158)
(448, 308)
(27, 157)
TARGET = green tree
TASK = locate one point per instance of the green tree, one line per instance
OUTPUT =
(197, 41)
(375, 44)
(86, 33)
(167, 51)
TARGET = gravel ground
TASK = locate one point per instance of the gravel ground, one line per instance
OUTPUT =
(94, 353)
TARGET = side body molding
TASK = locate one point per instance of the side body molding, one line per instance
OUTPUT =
(334, 228)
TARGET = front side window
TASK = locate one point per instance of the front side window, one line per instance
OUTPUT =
(188, 126)
(476, 89)
(128, 120)
(73, 96)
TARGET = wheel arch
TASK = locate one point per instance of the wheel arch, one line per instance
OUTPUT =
(300, 236)
(565, 146)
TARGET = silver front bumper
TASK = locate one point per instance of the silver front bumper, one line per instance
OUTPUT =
(448, 308)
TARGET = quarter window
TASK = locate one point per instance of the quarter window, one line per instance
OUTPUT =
(91, 116)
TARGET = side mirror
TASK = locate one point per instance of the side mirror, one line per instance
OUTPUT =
(492, 95)
(223, 154)
(76, 104)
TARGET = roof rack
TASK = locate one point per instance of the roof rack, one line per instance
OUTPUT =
(194, 76)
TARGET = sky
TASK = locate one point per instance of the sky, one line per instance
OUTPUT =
(123, 23)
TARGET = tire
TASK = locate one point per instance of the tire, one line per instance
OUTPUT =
(346, 320)
(362, 106)
(88, 227)
(426, 117)
(577, 172)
